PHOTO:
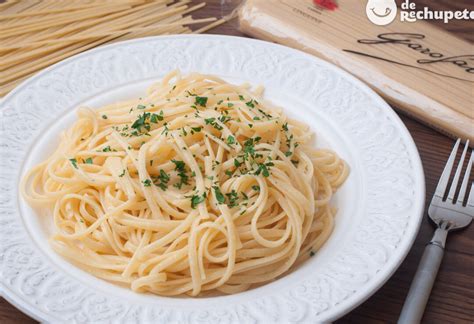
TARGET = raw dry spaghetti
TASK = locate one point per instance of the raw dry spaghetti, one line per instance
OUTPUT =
(38, 33)
(199, 186)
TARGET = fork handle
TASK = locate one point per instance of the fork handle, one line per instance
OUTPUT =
(425, 276)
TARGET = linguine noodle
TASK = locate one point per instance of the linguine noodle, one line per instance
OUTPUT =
(199, 186)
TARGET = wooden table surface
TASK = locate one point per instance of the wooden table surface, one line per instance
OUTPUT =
(452, 298)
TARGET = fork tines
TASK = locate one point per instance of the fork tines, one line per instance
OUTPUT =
(444, 180)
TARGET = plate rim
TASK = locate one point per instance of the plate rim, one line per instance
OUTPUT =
(390, 267)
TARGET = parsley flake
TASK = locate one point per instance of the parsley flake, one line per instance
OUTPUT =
(212, 121)
(74, 163)
(250, 104)
(180, 167)
(230, 140)
(162, 180)
(219, 196)
(233, 197)
(142, 122)
(262, 168)
(196, 200)
(200, 101)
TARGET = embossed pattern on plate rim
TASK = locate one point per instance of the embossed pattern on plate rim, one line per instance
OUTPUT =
(336, 307)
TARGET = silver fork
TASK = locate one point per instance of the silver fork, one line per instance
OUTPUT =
(448, 214)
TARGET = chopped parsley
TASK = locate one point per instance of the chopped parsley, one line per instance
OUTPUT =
(265, 114)
(250, 103)
(285, 127)
(249, 148)
(180, 167)
(200, 101)
(141, 106)
(107, 149)
(233, 197)
(146, 182)
(209, 121)
(155, 118)
(311, 253)
(165, 129)
(74, 163)
(241, 97)
(142, 122)
(230, 140)
(262, 168)
(162, 180)
(212, 121)
(224, 119)
(256, 188)
(219, 196)
(122, 174)
(104, 117)
(196, 200)
(88, 161)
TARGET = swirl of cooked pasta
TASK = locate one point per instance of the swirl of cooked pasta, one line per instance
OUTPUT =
(201, 186)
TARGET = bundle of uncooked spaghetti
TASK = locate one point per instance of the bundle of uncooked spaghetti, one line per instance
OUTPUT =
(37, 33)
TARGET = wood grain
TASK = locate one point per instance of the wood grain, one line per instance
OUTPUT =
(439, 94)
(452, 298)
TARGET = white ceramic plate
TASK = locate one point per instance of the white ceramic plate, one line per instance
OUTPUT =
(380, 205)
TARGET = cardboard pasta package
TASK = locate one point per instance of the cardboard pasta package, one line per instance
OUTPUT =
(422, 70)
